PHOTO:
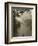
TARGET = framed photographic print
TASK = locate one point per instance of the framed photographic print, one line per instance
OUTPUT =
(20, 22)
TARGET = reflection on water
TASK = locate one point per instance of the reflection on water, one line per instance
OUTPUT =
(23, 24)
(24, 29)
